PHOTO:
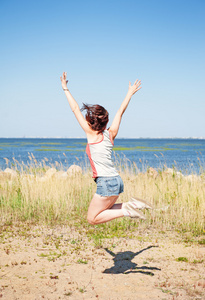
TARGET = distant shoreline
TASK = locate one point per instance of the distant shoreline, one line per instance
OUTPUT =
(119, 138)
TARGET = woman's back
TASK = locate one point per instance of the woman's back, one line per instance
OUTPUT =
(99, 154)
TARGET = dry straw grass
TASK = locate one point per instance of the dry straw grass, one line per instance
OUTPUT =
(33, 193)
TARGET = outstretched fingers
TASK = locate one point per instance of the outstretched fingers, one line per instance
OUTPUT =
(63, 79)
(137, 85)
(137, 82)
(64, 75)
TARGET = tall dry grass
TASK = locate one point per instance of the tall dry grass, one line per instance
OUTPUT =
(32, 193)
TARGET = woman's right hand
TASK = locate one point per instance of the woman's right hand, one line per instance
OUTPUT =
(64, 81)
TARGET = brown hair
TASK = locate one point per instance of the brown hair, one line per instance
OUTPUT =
(96, 116)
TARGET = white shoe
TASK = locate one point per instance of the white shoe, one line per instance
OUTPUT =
(140, 203)
(133, 212)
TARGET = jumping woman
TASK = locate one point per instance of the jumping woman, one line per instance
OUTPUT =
(99, 149)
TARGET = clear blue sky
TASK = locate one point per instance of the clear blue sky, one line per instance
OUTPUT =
(102, 45)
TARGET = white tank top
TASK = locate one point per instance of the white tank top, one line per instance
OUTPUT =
(100, 156)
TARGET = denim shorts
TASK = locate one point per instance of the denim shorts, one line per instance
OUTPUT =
(109, 186)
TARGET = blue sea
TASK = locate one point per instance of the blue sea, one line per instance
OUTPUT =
(186, 155)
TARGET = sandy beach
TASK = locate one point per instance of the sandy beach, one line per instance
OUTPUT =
(61, 263)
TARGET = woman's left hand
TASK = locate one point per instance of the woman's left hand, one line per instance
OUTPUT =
(135, 87)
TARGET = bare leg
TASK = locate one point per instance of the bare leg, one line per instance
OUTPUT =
(104, 209)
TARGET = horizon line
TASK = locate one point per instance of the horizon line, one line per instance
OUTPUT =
(60, 137)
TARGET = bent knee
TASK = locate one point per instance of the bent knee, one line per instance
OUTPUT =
(91, 220)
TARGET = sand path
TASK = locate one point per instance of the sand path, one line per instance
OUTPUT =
(60, 263)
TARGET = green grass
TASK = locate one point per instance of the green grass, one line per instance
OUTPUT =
(197, 261)
(184, 259)
(202, 242)
(51, 256)
(64, 150)
(142, 148)
(81, 261)
(9, 145)
(75, 150)
(183, 144)
(122, 148)
(27, 143)
(5, 145)
(50, 143)
(48, 149)
(81, 143)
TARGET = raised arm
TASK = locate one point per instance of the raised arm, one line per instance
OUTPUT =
(74, 105)
(117, 119)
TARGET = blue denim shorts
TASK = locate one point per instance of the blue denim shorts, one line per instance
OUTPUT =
(109, 186)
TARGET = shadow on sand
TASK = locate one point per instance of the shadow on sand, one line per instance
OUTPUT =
(124, 265)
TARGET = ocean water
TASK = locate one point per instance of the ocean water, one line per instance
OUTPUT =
(186, 155)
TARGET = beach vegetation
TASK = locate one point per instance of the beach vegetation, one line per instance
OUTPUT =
(47, 149)
(141, 148)
(29, 195)
(46, 143)
(81, 143)
(81, 261)
(181, 258)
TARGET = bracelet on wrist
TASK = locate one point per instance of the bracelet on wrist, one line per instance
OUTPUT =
(66, 89)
